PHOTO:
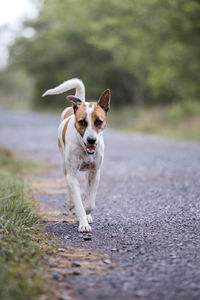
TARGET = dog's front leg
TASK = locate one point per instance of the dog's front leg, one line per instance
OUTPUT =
(74, 190)
(92, 185)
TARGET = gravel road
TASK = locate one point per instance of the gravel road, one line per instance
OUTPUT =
(147, 217)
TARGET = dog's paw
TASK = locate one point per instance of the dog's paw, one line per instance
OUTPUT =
(84, 227)
(89, 218)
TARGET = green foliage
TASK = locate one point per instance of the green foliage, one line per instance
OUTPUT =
(184, 110)
(145, 51)
(21, 262)
(178, 120)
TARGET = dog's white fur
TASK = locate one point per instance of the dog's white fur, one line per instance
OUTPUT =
(70, 84)
(75, 157)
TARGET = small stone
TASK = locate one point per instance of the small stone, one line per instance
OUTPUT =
(55, 276)
(76, 273)
(121, 251)
(107, 261)
(64, 298)
(141, 293)
(126, 286)
(142, 251)
(66, 237)
(113, 235)
(194, 285)
(61, 249)
(87, 238)
(114, 249)
(76, 264)
(129, 250)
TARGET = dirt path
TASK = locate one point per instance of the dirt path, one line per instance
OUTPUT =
(146, 233)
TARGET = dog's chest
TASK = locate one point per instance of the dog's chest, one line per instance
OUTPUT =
(87, 164)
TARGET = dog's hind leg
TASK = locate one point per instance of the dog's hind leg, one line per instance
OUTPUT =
(70, 203)
(91, 190)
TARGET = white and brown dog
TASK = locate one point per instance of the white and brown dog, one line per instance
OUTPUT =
(81, 144)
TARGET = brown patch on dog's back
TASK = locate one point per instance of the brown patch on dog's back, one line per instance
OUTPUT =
(64, 130)
(68, 113)
(98, 114)
(59, 143)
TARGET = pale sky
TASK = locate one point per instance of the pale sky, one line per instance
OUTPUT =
(12, 14)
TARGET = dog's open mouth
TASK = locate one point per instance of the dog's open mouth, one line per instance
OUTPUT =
(90, 148)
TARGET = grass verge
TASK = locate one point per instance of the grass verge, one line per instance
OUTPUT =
(176, 121)
(22, 266)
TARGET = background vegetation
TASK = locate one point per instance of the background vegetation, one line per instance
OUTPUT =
(21, 258)
(146, 52)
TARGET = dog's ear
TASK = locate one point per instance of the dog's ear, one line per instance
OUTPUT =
(75, 101)
(104, 100)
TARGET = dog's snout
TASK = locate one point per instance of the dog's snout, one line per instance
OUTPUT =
(91, 140)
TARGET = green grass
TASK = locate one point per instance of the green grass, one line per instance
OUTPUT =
(16, 165)
(176, 121)
(21, 260)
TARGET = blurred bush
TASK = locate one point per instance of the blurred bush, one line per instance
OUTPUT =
(184, 110)
(16, 88)
(147, 52)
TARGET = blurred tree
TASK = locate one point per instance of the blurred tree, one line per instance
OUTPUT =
(60, 50)
(156, 41)
(145, 51)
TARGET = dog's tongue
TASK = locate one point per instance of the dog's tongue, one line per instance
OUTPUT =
(91, 148)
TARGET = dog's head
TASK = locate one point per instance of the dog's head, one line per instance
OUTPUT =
(90, 119)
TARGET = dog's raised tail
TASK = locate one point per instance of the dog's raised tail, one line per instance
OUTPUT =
(73, 83)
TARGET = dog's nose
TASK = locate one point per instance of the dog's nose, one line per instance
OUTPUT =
(91, 140)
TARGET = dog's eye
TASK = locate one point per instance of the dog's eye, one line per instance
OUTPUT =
(98, 122)
(83, 123)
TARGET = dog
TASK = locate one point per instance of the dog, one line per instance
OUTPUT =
(81, 145)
